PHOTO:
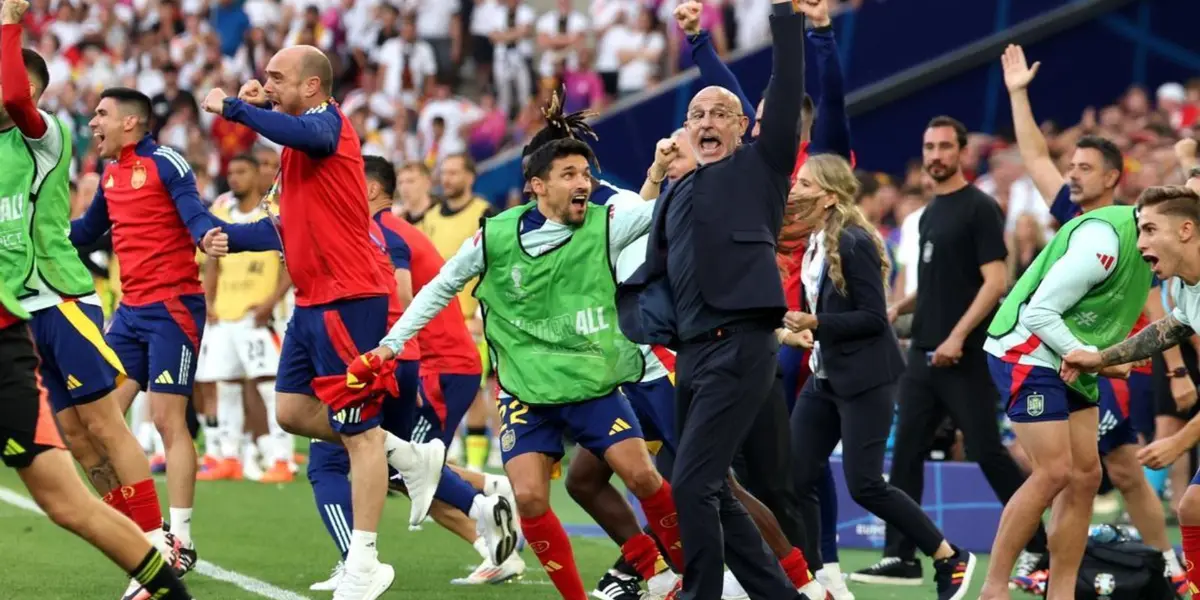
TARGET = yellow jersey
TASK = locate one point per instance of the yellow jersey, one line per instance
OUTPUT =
(448, 230)
(246, 279)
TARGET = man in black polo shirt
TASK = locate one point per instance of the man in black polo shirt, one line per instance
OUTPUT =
(961, 276)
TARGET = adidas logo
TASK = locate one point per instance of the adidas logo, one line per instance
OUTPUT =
(72, 383)
(618, 426)
(12, 448)
(166, 378)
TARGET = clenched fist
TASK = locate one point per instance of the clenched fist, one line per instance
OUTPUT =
(214, 102)
(665, 152)
(12, 11)
(688, 17)
(252, 92)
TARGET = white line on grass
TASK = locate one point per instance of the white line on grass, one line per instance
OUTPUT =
(203, 567)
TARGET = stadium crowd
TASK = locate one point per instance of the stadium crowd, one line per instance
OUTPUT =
(181, 155)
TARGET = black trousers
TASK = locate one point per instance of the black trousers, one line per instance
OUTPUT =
(764, 464)
(721, 386)
(822, 418)
(966, 393)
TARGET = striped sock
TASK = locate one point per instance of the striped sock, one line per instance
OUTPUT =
(159, 581)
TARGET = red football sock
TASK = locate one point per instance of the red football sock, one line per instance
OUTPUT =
(549, 542)
(116, 500)
(1191, 554)
(142, 500)
(796, 568)
(660, 512)
(641, 551)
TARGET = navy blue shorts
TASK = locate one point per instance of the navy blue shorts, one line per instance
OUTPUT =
(444, 401)
(596, 425)
(1117, 398)
(158, 343)
(77, 365)
(653, 404)
(398, 412)
(1034, 394)
(317, 339)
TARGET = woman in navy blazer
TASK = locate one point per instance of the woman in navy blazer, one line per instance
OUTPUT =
(855, 362)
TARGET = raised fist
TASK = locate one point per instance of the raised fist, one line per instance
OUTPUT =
(252, 92)
(665, 152)
(214, 102)
(688, 17)
(12, 11)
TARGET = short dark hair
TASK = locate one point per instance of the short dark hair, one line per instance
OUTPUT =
(35, 65)
(468, 162)
(381, 171)
(1174, 200)
(960, 130)
(1113, 159)
(245, 157)
(543, 158)
(132, 101)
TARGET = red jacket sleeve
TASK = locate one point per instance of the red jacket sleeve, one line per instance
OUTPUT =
(18, 101)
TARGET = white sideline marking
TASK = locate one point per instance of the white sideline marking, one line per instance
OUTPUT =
(203, 567)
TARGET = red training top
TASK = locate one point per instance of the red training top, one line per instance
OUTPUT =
(446, 344)
(383, 266)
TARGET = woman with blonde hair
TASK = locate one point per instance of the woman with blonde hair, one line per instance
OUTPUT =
(855, 362)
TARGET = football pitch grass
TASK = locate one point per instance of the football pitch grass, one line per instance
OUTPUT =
(269, 538)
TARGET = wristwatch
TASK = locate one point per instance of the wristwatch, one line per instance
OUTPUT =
(1179, 372)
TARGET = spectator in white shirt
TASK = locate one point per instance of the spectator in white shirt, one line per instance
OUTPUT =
(439, 23)
(407, 63)
(310, 25)
(640, 51)
(369, 95)
(458, 117)
(560, 33)
(513, 43)
(1011, 186)
(611, 20)
(486, 18)
(753, 23)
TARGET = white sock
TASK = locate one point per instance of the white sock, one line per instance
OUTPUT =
(1173, 566)
(282, 445)
(476, 509)
(231, 416)
(362, 554)
(496, 485)
(481, 547)
(212, 442)
(400, 454)
(181, 524)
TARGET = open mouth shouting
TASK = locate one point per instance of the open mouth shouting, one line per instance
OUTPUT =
(579, 199)
(710, 144)
(1152, 260)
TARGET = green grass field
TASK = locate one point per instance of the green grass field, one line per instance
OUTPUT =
(271, 533)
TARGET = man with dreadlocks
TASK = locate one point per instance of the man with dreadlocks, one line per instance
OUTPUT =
(547, 291)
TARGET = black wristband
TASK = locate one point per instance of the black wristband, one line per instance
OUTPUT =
(826, 29)
(1194, 172)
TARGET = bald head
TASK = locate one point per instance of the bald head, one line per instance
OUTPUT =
(299, 78)
(715, 123)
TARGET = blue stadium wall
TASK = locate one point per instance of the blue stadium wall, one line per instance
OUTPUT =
(1145, 42)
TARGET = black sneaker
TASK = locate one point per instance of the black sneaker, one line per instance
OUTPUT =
(953, 575)
(617, 587)
(890, 571)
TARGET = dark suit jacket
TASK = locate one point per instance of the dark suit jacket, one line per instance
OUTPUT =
(737, 210)
(858, 349)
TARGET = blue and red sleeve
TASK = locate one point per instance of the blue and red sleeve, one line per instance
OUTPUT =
(397, 248)
(831, 128)
(179, 180)
(1063, 209)
(87, 229)
(14, 80)
(315, 133)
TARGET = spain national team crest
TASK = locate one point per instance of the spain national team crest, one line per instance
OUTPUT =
(507, 440)
(138, 179)
(1035, 405)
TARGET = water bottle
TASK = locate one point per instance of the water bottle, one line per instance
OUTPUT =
(1104, 534)
(1129, 533)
